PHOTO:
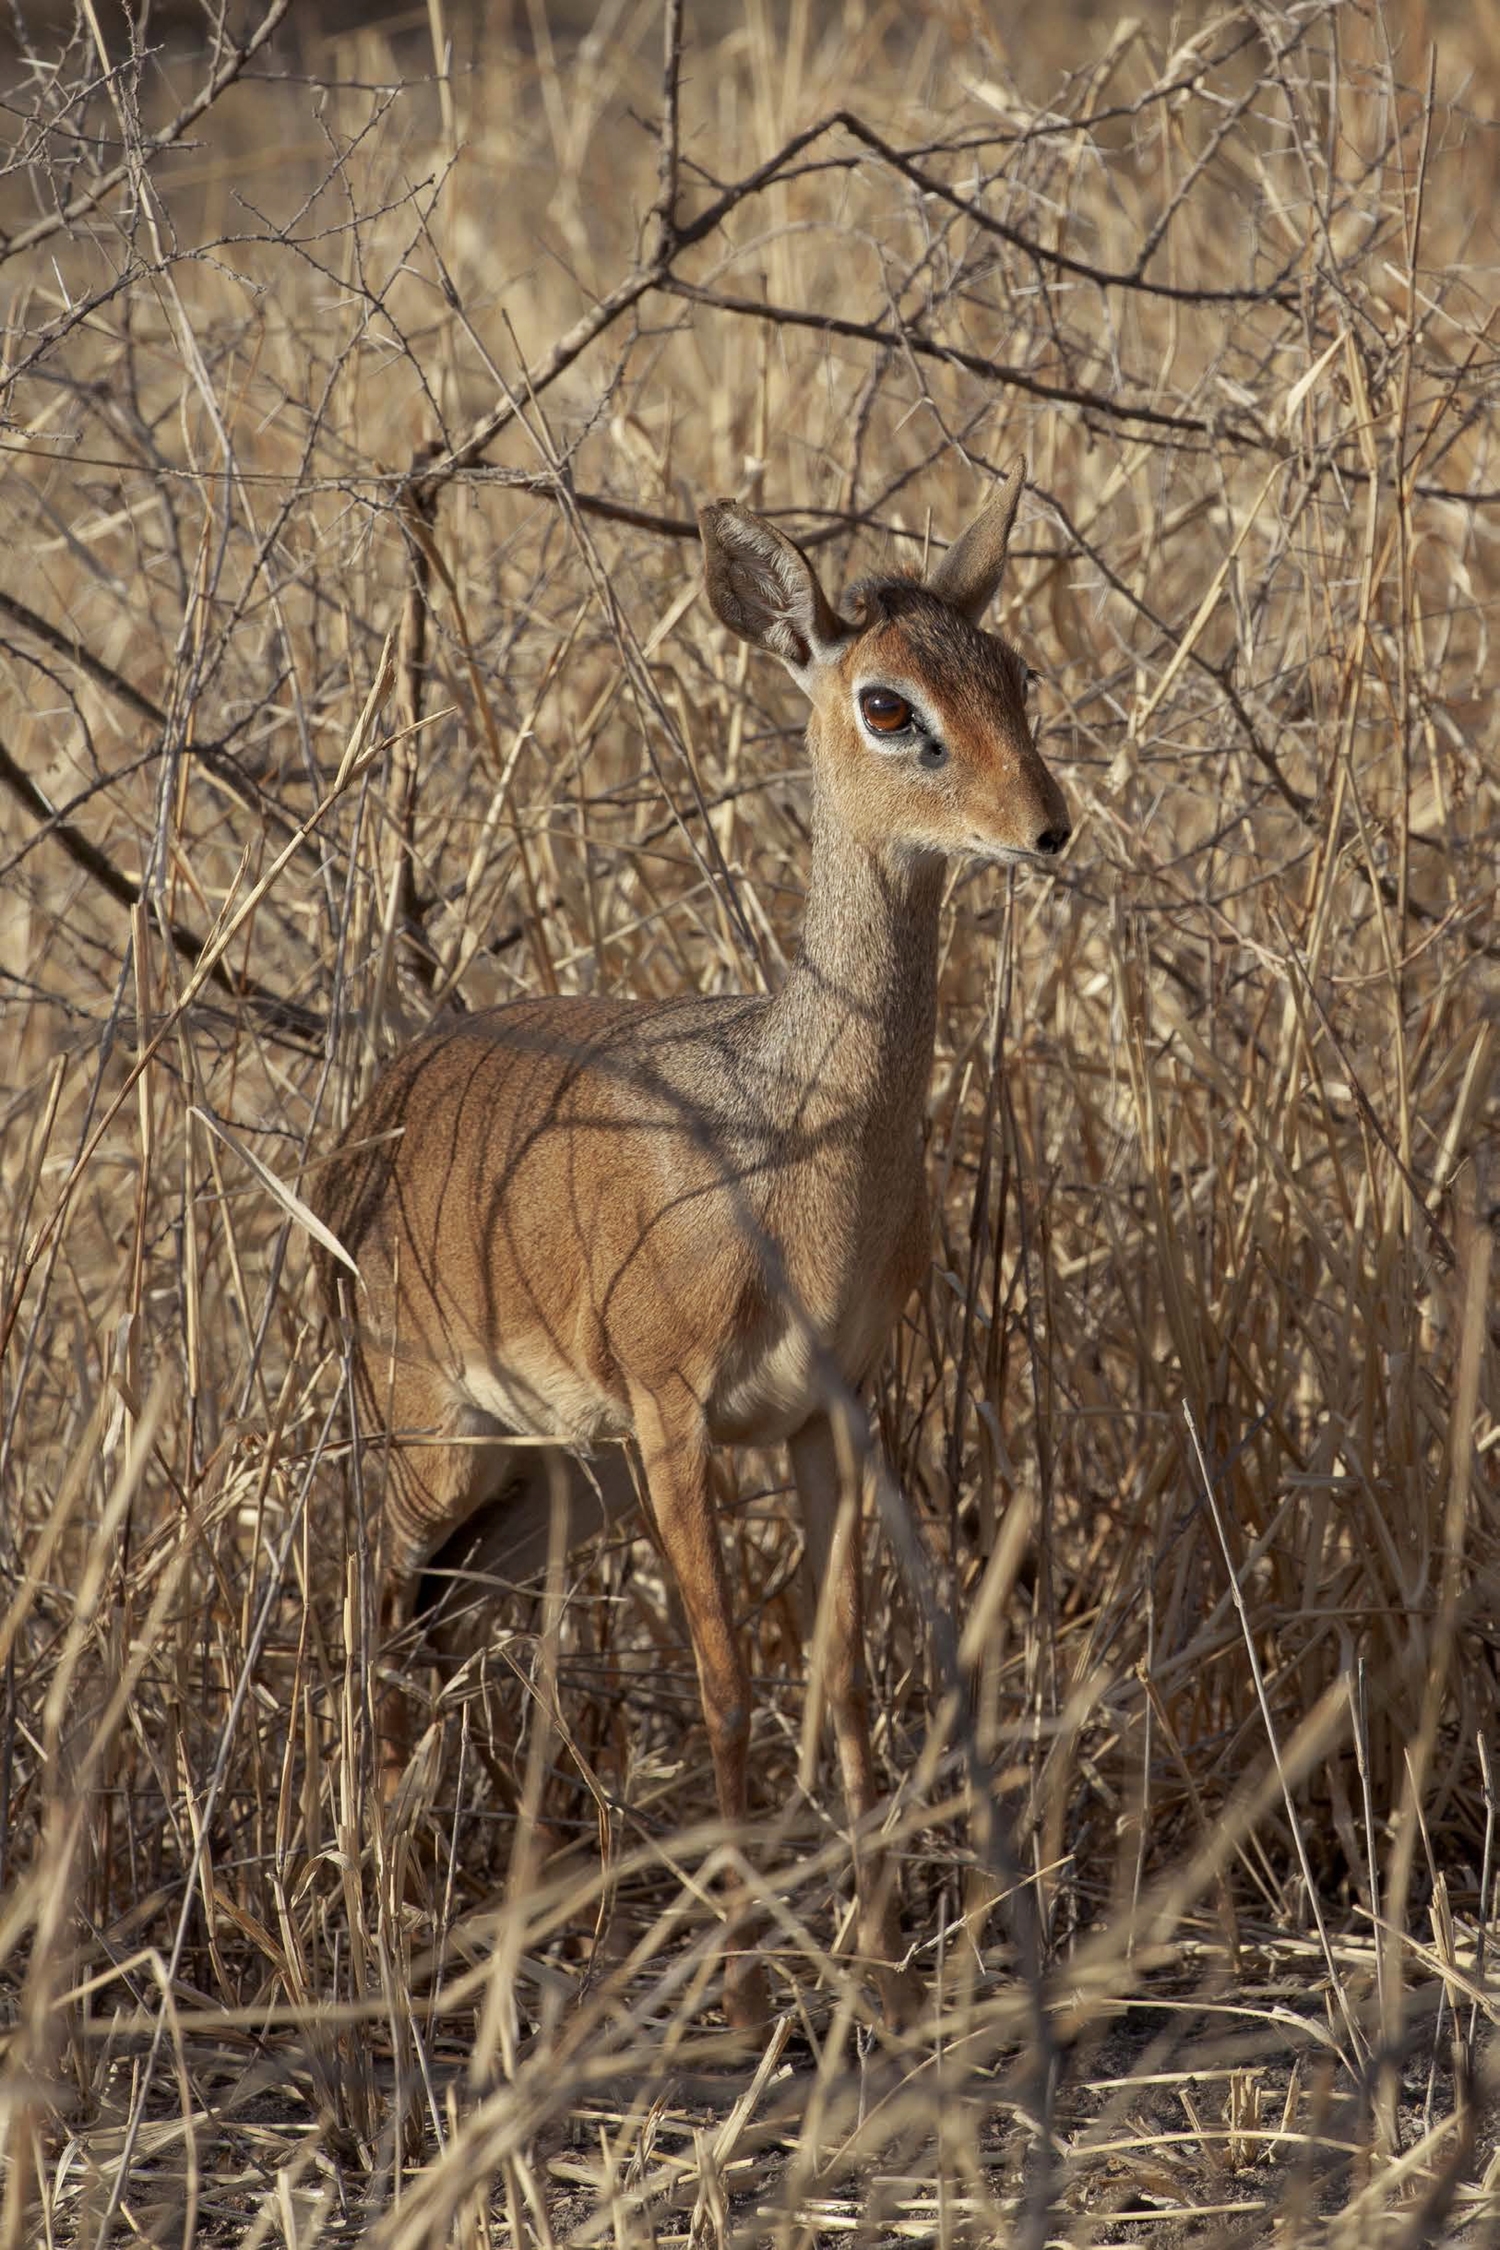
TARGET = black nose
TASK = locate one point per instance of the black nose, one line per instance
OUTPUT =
(1051, 840)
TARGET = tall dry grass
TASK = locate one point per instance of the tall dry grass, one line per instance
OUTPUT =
(356, 670)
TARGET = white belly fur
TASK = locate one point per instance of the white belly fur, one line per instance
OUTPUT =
(780, 1381)
(547, 1400)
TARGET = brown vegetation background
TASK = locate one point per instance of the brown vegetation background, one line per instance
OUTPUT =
(359, 389)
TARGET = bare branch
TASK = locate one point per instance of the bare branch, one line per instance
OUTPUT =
(89, 199)
(285, 1016)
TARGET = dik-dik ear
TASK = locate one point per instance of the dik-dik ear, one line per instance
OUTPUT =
(970, 573)
(762, 586)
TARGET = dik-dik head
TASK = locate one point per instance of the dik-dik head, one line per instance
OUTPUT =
(920, 728)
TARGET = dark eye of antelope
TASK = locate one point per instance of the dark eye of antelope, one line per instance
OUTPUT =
(884, 711)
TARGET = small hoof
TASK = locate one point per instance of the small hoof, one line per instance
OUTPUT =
(747, 1996)
(903, 1996)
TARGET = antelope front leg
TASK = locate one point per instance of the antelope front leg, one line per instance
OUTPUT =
(835, 1564)
(395, 1730)
(674, 1449)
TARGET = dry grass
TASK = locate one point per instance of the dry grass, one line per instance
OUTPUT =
(1198, 1409)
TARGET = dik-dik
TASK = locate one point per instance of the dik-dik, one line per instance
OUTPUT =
(695, 1222)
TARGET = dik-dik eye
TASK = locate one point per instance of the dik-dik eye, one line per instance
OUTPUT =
(884, 711)
(1028, 684)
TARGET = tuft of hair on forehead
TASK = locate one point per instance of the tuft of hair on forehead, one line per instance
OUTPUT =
(940, 641)
(870, 600)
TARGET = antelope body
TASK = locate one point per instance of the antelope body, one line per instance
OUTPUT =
(695, 1222)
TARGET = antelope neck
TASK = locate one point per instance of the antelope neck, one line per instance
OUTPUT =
(857, 1015)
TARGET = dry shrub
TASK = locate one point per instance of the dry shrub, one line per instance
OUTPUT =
(356, 671)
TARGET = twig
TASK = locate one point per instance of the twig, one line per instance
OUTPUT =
(1440, 1242)
(664, 210)
(358, 754)
(907, 338)
(286, 1016)
(89, 199)
(1357, 2042)
(1106, 277)
(216, 756)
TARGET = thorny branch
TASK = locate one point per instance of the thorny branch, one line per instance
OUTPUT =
(277, 1013)
(132, 167)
